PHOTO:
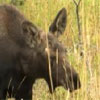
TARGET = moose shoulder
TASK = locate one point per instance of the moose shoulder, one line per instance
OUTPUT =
(24, 57)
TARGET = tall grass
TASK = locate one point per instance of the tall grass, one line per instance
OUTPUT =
(42, 12)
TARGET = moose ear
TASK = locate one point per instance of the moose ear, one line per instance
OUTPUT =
(30, 32)
(29, 28)
(59, 24)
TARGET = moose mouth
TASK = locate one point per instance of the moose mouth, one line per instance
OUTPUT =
(73, 84)
(67, 85)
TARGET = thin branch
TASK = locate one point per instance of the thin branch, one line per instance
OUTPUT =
(79, 2)
(78, 21)
(75, 2)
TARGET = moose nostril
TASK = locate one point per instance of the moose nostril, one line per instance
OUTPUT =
(77, 83)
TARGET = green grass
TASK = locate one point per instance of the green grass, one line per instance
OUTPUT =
(42, 12)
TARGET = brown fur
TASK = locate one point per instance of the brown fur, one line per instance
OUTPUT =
(23, 54)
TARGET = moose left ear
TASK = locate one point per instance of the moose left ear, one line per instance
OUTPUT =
(59, 24)
(29, 28)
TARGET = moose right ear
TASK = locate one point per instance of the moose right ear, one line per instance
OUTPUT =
(59, 24)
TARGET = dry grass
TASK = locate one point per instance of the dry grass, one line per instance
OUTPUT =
(42, 12)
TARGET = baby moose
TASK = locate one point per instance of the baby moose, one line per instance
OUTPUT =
(28, 53)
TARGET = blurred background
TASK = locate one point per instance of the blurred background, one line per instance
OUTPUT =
(83, 47)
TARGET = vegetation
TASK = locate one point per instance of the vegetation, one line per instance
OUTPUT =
(42, 12)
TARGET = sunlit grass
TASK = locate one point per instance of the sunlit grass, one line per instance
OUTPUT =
(42, 12)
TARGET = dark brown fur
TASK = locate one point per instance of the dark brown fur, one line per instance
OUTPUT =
(24, 55)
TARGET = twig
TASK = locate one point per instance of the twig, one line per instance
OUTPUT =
(78, 22)
(78, 19)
